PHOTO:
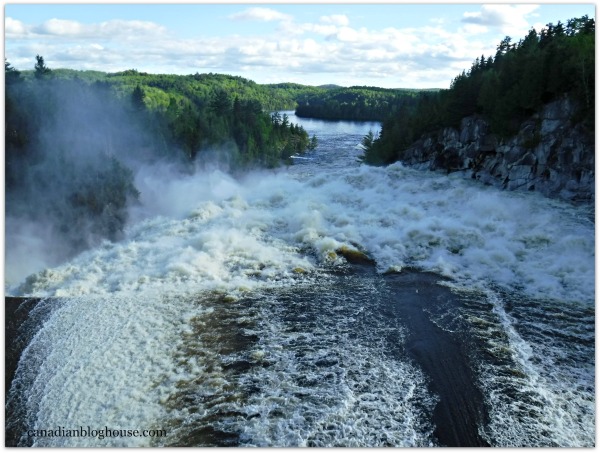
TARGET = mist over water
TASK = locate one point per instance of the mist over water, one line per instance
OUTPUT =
(227, 313)
(65, 181)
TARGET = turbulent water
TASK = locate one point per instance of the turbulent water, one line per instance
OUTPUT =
(232, 314)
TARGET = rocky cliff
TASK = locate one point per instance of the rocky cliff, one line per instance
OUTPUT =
(549, 154)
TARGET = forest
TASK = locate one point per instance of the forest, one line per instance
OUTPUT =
(504, 89)
(74, 140)
(357, 103)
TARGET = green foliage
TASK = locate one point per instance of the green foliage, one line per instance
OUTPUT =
(354, 103)
(314, 142)
(506, 89)
(285, 96)
(41, 70)
(11, 74)
(219, 112)
(85, 75)
(97, 200)
(64, 151)
(367, 145)
(137, 98)
(72, 137)
(367, 141)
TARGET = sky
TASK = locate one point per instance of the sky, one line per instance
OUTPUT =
(391, 45)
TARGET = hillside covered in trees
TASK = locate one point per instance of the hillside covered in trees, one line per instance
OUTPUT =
(504, 89)
(357, 103)
(74, 140)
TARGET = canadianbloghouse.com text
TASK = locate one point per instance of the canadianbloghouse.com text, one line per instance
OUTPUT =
(101, 433)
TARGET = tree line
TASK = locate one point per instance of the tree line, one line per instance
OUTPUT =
(356, 103)
(505, 89)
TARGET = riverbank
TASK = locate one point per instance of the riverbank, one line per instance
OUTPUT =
(549, 154)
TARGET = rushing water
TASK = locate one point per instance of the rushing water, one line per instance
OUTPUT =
(229, 316)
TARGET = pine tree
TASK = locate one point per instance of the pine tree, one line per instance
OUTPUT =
(41, 70)
(137, 98)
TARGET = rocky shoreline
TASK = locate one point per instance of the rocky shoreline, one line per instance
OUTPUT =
(550, 154)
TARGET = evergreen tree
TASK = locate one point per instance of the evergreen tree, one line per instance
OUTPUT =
(11, 74)
(137, 98)
(41, 70)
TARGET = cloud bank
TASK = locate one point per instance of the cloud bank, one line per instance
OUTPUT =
(509, 19)
(262, 14)
(331, 49)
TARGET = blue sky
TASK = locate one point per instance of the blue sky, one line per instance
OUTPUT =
(388, 45)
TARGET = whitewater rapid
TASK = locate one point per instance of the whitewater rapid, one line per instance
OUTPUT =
(129, 326)
(239, 235)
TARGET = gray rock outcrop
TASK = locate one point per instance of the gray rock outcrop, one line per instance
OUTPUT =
(549, 154)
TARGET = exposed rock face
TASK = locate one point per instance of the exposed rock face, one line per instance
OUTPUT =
(549, 154)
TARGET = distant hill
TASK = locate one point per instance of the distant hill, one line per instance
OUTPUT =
(357, 103)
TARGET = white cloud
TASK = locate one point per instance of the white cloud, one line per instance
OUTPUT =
(60, 27)
(14, 28)
(85, 52)
(474, 29)
(401, 57)
(129, 28)
(261, 14)
(336, 19)
(294, 28)
(510, 19)
(347, 34)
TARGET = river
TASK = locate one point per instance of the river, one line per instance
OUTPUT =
(328, 303)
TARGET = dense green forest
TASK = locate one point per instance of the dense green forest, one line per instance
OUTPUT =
(74, 139)
(357, 103)
(202, 111)
(504, 89)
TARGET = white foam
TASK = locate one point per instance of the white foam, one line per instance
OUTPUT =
(102, 362)
(223, 230)
(555, 405)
